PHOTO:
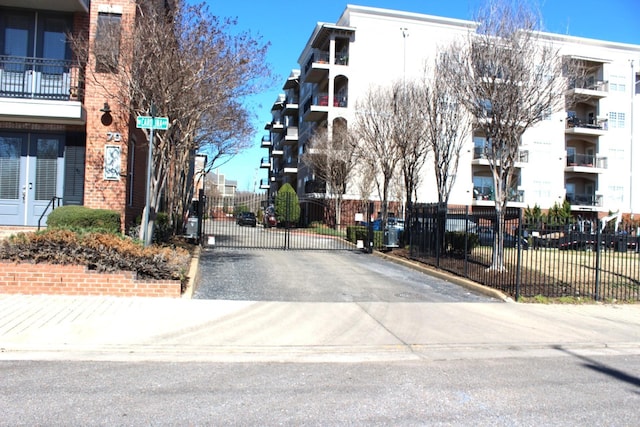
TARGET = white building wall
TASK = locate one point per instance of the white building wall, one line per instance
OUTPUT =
(381, 54)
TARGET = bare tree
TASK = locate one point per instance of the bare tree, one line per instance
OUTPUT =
(410, 133)
(186, 64)
(332, 157)
(374, 127)
(446, 122)
(508, 77)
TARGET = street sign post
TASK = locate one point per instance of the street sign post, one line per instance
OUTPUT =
(149, 122)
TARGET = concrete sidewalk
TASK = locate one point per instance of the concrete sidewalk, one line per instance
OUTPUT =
(102, 328)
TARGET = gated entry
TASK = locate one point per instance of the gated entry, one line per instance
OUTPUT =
(299, 224)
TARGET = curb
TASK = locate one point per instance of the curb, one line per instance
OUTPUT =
(466, 283)
(193, 274)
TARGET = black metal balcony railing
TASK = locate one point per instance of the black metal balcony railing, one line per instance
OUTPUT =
(39, 78)
(582, 122)
(581, 160)
(487, 194)
(481, 153)
(584, 199)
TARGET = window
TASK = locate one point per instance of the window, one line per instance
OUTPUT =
(617, 83)
(107, 45)
(616, 120)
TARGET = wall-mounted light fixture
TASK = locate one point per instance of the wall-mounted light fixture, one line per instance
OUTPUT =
(106, 118)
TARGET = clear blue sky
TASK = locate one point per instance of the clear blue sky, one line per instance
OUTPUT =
(287, 25)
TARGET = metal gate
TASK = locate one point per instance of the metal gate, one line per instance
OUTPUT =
(284, 222)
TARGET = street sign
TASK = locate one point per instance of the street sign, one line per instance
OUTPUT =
(148, 122)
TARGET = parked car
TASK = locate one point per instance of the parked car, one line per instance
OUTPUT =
(247, 218)
(269, 217)
(485, 235)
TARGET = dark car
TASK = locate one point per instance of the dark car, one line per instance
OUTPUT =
(485, 235)
(247, 218)
(269, 217)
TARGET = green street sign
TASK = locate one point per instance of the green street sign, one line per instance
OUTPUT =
(148, 122)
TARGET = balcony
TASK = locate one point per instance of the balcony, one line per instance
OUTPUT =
(584, 201)
(264, 184)
(265, 163)
(585, 163)
(291, 136)
(290, 168)
(290, 108)
(585, 126)
(277, 153)
(316, 108)
(266, 141)
(588, 89)
(40, 89)
(484, 196)
(317, 68)
(481, 158)
(277, 127)
(57, 5)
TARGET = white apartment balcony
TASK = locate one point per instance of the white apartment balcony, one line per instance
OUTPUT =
(584, 90)
(290, 169)
(480, 157)
(266, 141)
(264, 184)
(585, 126)
(277, 153)
(590, 202)
(484, 196)
(277, 127)
(316, 108)
(40, 90)
(291, 136)
(290, 108)
(585, 163)
(317, 68)
(55, 5)
(265, 163)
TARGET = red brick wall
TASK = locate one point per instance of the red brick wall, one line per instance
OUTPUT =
(54, 279)
(101, 88)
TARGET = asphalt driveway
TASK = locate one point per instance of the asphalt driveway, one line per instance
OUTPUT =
(318, 276)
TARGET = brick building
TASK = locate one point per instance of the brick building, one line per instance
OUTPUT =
(62, 139)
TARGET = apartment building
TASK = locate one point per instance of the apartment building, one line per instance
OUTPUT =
(585, 154)
(63, 141)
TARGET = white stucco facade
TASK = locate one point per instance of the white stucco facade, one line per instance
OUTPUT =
(587, 153)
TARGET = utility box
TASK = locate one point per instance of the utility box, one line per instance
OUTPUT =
(191, 229)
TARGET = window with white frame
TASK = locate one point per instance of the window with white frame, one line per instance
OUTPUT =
(617, 83)
(615, 195)
(616, 120)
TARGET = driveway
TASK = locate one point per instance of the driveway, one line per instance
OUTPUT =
(318, 276)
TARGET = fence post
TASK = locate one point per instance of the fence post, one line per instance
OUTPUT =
(370, 228)
(598, 245)
(519, 259)
(287, 222)
(201, 211)
(466, 241)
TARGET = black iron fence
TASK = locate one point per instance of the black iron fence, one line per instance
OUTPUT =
(39, 78)
(578, 259)
(286, 223)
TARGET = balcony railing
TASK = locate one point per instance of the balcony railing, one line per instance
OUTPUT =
(487, 194)
(39, 78)
(586, 160)
(589, 84)
(584, 199)
(583, 122)
(481, 153)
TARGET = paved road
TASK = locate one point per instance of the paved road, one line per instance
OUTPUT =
(563, 390)
(319, 276)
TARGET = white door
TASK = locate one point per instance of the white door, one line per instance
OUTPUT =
(31, 168)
